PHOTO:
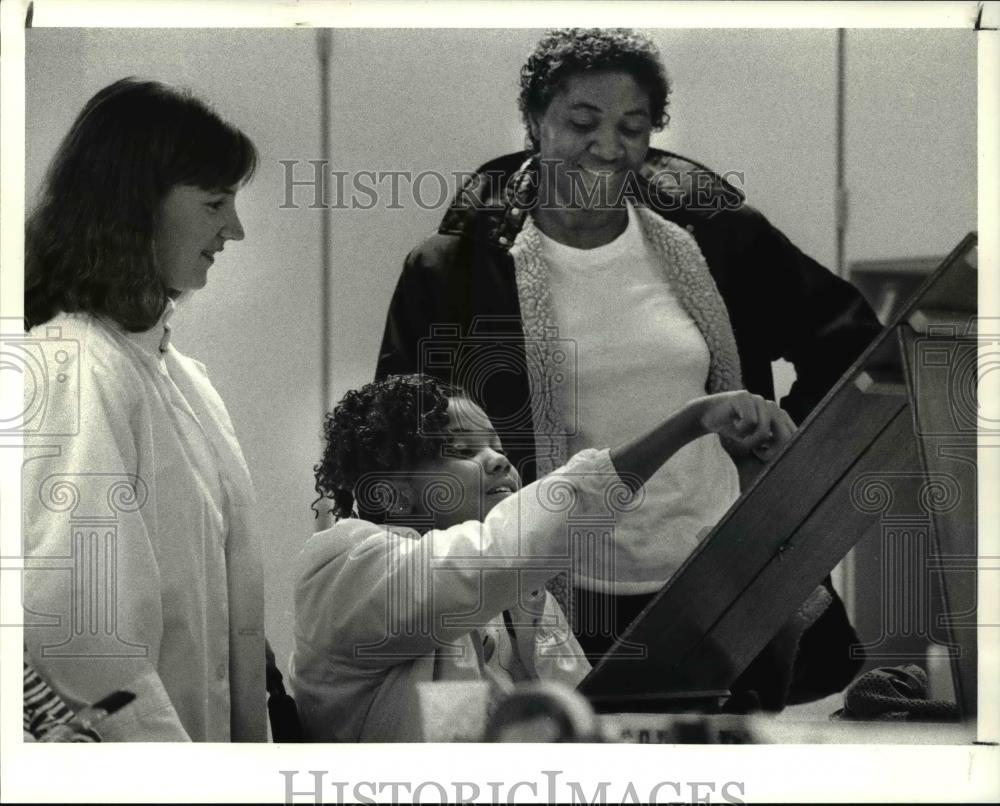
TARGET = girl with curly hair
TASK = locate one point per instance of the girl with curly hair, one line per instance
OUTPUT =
(436, 567)
(141, 487)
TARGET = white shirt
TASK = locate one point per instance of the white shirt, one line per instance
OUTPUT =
(137, 531)
(639, 358)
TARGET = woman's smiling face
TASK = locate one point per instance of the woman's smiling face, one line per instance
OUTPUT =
(594, 132)
(193, 225)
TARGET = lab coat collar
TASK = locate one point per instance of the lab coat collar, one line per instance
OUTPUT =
(156, 340)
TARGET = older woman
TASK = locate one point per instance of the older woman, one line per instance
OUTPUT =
(562, 274)
(145, 574)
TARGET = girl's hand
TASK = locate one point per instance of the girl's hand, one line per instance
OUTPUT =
(748, 422)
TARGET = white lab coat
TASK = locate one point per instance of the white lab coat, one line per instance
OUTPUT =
(143, 571)
(380, 609)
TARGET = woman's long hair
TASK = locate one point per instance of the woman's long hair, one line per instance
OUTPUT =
(89, 242)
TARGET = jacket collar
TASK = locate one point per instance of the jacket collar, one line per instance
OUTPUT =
(154, 341)
(493, 203)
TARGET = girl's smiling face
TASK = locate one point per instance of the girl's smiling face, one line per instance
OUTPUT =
(594, 132)
(472, 465)
(193, 225)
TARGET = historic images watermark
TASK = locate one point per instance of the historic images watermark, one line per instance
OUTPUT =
(89, 512)
(316, 786)
(949, 362)
(43, 362)
(316, 184)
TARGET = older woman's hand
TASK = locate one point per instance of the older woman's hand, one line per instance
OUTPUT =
(746, 422)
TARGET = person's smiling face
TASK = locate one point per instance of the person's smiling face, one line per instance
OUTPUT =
(193, 224)
(472, 462)
(594, 132)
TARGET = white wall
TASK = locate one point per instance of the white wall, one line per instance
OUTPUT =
(415, 100)
(757, 101)
(761, 102)
(911, 142)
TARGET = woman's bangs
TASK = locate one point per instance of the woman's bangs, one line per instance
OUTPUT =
(218, 157)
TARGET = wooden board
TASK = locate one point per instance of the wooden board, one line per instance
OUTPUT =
(801, 516)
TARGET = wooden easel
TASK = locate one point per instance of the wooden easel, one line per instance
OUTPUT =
(889, 452)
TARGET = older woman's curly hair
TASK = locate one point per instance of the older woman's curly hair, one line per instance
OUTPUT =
(566, 52)
(89, 243)
(383, 427)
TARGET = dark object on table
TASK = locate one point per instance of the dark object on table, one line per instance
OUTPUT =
(895, 693)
